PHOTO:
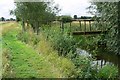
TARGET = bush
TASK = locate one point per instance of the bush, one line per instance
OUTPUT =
(7, 71)
(29, 38)
(66, 19)
(83, 67)
(108, 71)
(63, 43)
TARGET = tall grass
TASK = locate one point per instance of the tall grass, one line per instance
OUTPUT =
(61, 65)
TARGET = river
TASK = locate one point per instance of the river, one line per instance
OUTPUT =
(102, 58)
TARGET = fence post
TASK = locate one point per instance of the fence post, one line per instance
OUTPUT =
(70, 26)
(23, 25)
(90, 25)
(85, 25)
(80, 25)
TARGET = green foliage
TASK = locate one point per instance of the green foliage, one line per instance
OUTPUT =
(28, 38)
(27, 62)
(82, 63)
(66, 19)
(62, 42)
(7, 71)
(108, 71)
(108, 17)
(2, 19)
(75, 16)
(84, 69)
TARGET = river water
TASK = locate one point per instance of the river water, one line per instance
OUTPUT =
(102, 58)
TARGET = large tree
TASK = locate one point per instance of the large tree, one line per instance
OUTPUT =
(108, 13)
(36, 13)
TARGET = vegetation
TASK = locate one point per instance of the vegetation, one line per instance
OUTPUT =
(28, 12)
(66, 19)
(2, 19)
(45, 64)
(103, 72)
(44, 48)
(75, 16)
(36, 47)
(108, 13)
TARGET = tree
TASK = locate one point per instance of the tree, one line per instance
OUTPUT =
(66, 19)
(2, 19)
(108, 13)
(75, 16)
(11, 19)
(35, 14)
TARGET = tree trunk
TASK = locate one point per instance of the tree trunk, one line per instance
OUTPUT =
(37, 25)
(23, 26)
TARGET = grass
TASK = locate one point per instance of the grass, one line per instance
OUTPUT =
(26, 62)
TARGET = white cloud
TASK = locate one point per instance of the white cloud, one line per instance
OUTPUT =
(5, 7)
(74, 7)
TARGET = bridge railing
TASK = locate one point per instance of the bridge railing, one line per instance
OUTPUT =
(88, 25)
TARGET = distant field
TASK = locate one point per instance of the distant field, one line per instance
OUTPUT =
(87, 22)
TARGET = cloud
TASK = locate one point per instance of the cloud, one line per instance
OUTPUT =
(5, 7)
(73, 7)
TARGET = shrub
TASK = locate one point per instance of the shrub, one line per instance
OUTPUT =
(7, 71)
(82, 64)
(29, 38)
(108, 71)
(66, 19)
(63, 43)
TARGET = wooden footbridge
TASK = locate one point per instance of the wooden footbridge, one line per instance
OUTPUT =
(88, 27)
(89, 32)
(87, 24)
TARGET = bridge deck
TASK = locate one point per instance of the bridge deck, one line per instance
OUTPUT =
(89, 32)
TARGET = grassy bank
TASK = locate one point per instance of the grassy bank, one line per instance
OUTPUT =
(22, 61)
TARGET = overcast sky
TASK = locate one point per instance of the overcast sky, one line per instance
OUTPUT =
(68, 7)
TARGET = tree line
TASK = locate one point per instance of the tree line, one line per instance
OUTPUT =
(3, 19)
(35, 13)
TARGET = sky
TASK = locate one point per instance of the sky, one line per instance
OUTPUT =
(68, 7)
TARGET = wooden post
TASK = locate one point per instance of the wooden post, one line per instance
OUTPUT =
(101, 63)
(85, 26)
(70, 26)
(62, 26)
(23, 25)
(80, 25)
(98, 25)
(37, 27)
(90, 25)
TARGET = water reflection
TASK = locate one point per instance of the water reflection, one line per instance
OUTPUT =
(102, 58)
